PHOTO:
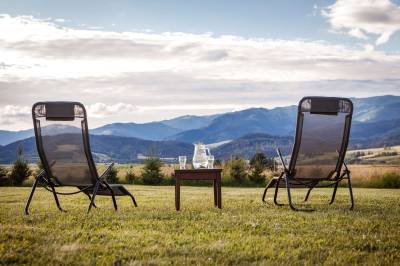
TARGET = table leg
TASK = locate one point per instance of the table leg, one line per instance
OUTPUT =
(219, 192)
(178, 194)
(215, 192)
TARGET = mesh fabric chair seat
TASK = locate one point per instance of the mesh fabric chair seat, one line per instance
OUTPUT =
(62, 141)
(117, 189)
(322, 136)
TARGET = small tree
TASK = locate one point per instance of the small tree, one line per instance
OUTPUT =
(112, 175)
(130, 176)
(151, 173)
(237, 169)
(3, 176)
(258, 164)
(20, 170)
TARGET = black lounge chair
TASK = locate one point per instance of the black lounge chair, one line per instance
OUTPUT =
(62, 142)
(317, 160)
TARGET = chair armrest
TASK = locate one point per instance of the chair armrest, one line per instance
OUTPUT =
(278, 151)
(345, 167)
(105, 172)
(41, 173)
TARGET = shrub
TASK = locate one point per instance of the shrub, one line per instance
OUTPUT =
(236, 168)
(386, 180)
(359, 154)
(3, 176)
(170, 180)
(258, 164)
(130, 176)
(217, 163)
(20, 170)
(391, 180)
(393, 153)
(151, 174)
(112, 175)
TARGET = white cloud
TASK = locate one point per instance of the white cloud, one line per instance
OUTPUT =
(14, 111)
(99, 110)
(356, 32)
(60, 20)
(144, 76)
(12, 115)
(34, 48)
(357, 17)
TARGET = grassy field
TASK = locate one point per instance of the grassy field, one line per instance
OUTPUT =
(245, 231)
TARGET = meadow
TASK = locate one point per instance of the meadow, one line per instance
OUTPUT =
(245, 231)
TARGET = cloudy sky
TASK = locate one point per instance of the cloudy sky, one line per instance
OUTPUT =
(139, 61)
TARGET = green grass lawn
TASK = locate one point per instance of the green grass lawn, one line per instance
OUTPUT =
(245, 231)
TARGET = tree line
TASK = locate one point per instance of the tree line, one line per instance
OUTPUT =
(236, 171)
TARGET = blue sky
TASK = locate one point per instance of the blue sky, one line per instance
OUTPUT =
(151, 60)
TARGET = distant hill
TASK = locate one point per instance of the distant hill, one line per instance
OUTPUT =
(365, 130)
(376, 122)
(277, 121)
(378, 108)
(189, 122)
(113, 148)
(390, 138)
(7, 137)
(126, 149)
(247, 145)
(149, 131)
(373, 117)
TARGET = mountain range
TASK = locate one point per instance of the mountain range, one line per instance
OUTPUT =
(376, 122)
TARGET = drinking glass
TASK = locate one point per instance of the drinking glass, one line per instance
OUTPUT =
(210, 164)
(182, 162)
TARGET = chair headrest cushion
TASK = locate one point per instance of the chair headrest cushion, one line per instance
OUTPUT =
(60, 111)
(328, 106)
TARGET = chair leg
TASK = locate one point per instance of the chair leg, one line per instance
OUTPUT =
(270, 183)
(334, 193)
(308, 193)
(290, 198)
(276, 192)
(114, 201)
(289, 195)
(90, 198)
(309, 190)
(31, 196)
(351, 192)
(96, 188)
(56, 198)
(112, 195)
(133, 199)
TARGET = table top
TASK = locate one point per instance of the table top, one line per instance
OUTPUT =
(201, 170)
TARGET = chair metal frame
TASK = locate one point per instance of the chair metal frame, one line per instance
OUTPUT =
(99, 185)
(288, 175)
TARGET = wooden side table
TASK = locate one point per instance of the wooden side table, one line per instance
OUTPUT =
(198, 174)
